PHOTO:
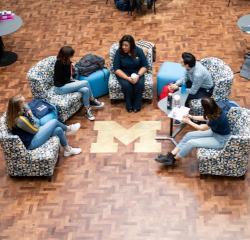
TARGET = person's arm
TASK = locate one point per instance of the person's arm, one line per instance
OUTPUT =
(24, 123)
(144, 63)
(196, 84)
(201, 127)
(197, 118)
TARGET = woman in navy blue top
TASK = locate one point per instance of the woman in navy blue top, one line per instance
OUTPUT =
(130, 65)
(214, 134)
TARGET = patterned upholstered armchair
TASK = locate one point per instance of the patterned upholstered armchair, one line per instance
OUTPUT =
(40, 78)
(22, 162)
(115, 91)
(232, 160)
(222, 76)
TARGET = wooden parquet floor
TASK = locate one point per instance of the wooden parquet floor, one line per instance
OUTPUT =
(123, 195)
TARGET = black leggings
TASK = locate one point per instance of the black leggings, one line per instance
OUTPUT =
(201, 93)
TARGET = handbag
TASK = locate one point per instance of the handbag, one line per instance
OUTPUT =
(40, 108)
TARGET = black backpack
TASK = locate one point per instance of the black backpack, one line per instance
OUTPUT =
(89, 63)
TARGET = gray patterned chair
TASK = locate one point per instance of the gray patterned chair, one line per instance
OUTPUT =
(222, 76)
(115, 91)
(41, 81)
(232, 160)
(22, 162)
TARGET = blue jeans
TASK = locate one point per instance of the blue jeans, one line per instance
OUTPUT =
(51, 128)
(201, 139)
(132, 92)
(77, 86)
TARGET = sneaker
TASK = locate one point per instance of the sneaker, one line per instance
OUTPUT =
(90, 115)
(73, 128)
(72, 151)
(167, 160)
(96, 104)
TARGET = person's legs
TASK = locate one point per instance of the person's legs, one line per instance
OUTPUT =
(170, 158)
(127, 89)
(204, 142)
(201, 93)
(138, 89)
(45, 132)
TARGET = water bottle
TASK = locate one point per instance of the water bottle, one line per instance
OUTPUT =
(177, 101)
(183, 88)
(169, 103)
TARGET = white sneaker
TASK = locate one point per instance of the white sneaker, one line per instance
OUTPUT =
(90, 115)
(72, 151)
(73, 128)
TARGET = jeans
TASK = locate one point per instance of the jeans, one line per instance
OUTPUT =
(201, 139)
(51, 128)
(77, 86)
(132, 92)
(201, 93)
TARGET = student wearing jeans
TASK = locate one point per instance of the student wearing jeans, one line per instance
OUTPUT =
(214, 134)
(64, 82)
(21, 122)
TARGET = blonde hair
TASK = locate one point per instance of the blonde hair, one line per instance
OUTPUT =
(14, 110)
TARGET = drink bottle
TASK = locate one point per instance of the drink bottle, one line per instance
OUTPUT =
(169, 103)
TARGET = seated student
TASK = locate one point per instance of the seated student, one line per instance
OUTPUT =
(64, 82)
(130, 65)
(197, 79)
(214, 134)
(21, 122)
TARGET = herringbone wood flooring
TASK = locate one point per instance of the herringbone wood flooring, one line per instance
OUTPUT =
(123, 195)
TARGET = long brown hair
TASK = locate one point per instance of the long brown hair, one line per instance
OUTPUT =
(64, 54)
(14, 109)
(211, 109)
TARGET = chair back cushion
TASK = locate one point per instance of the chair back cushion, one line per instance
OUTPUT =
(222, 76)
(40, 77)
(239, 120)
(11, 144)
(146, 46)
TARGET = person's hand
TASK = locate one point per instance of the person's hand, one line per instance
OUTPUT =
(136, 79)
(131, 80)
(173, 86)
(186, 119)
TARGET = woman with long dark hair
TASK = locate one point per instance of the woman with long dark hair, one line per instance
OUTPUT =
(21, 122)
(64, 82)
(214, 134)
(130, 65)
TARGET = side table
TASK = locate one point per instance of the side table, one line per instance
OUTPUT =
(162, 104)
(8, 27)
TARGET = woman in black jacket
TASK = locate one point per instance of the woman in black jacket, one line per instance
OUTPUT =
(64, 82)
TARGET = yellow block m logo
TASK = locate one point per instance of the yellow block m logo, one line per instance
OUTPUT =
(108, 130)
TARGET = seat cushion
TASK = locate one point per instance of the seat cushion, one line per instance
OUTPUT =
(169, 72)
(98, 82)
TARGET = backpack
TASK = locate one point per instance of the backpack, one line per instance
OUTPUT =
(89, 63)
(122, 5)
(40, 108)
(245, 69)
(165, 91)
(225, 105)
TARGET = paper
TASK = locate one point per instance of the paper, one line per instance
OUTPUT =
(179, 112)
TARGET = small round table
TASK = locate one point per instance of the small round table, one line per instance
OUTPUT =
(8, 27)
(244, 23)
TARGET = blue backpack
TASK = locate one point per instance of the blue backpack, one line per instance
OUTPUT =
(225, 105)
